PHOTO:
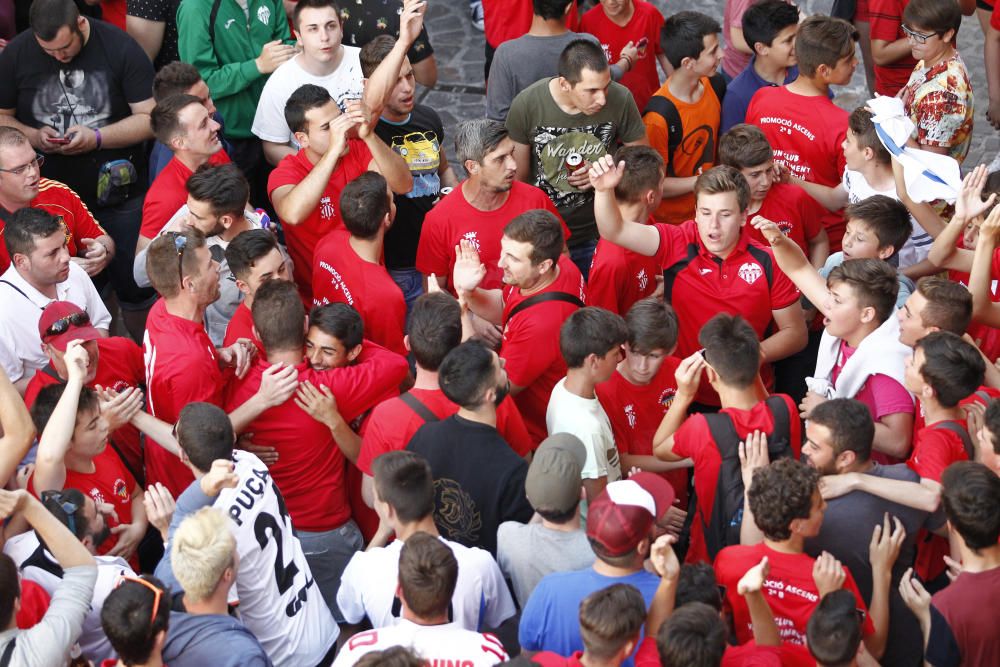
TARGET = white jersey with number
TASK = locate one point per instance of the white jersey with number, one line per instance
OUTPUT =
(447, 645)
(279, 599)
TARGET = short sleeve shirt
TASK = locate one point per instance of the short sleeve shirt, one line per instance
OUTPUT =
(619, 277)
(169, 192)
(886, 18)
(938, 100)
(795, 212)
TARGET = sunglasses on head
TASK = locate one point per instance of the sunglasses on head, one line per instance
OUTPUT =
(180, 245)
(67, 506)
(63, 324)
(157, 594)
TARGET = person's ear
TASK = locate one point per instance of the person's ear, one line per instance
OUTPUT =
(253, 329)
(471, 166)
(867, 314)
(886, 252)
(713, 377)
(161, 639)
(868, 153)
(353, 353)
(845, 460)
(949, 36)
(760, 48)
(406, 343)
(228, 221)
(650, 197)
(302, 138)
(243, 288)
(546, 265)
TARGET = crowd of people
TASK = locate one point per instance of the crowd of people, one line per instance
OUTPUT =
(682, 364)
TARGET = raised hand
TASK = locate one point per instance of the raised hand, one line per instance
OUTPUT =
(663, 558)
(160, 508)
(76, 360)
(118, 408)
(319, 403)
(770, 230)
(828, 574)
(887, 540)
(754, 579)
(688, 374)
(220, 476)
(753, 455)
(277, 384)
(411, 20)
(604, 174)
(469, 270)
(990, 229)
(916, 597)
(272, 55)
(969, 203)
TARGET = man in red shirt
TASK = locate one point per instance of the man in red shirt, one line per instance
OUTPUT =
(21, 185)
(305, 186)
(710, 264)
(112, 362)
(347, 267)
(254, 257)
(620, 277)
(533, 265)
(182, 123)
(310, 469)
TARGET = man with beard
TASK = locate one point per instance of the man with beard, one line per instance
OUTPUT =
(478, 478)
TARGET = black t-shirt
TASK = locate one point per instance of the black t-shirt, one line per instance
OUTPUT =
(161, 11)
(419, 141)
(478, 480)
(94, 89)
(364, 20)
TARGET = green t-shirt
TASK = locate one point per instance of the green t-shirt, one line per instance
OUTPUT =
(536, 120)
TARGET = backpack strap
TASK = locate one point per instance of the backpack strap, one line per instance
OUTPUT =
(961, 432)
(663, 107)
(542, 297)
(8, 653)
(417, 406)
(212, 16)
(782, 420)
(718, 83)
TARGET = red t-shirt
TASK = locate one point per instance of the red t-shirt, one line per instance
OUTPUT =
(747, 655)
(795, 212)
(694, 440)
(34, 603)
(530, 345)
(509, 19)
(550, 659)
(806, 133)
(341, 276)
(241, 326)
(62, 202)
(392, 424)
(302, 238)
(119, 366)
(635, 412)
(181, 368)
(789, 589)
(707, 286)
(168, 192)
(994, 18)
(620, 277)
(310, 470)
(454, 219)
(642, 80)
(886, 18)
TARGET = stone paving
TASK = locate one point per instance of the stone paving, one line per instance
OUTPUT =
(460, 93)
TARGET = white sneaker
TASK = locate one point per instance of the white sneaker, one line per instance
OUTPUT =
(995, 165)
(476, 13)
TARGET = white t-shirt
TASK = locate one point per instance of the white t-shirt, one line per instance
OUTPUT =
(586, 419)
(368, 587)
(40, 566)
(279, 600)
(917, 247)
(447, 644)
(21, 307)
(344, 84)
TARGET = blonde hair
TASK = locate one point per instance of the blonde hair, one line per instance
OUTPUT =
(202, 549)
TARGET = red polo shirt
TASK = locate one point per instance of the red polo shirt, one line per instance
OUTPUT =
(620, 277)
(302, 238)
(530, 345)
(795, 212)
(119, 366)
(393, 423)
(454, 219)
(700, 285)
(62, 202)
(310, 470)
(168, 193)
(181, 368)
(340, 275)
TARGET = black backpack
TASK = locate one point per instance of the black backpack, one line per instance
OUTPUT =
(722, 529)
(662, 106)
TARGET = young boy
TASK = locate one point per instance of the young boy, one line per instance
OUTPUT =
(745, 147)
(590, 341)
(620, 277)
(688, 103)
(730, 360)
(642, 389)
(805, 128)
(254, 257)
(620, 23)
(769, 28)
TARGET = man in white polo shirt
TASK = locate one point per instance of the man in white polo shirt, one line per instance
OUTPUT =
(40, 272)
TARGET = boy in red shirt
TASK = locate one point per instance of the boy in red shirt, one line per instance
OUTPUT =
(254, 257)
(619, 277)
(804, 127)
(620, 23)
(894, 61)
(347, 268)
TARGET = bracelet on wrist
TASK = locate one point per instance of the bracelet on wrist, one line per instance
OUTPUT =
(97, 135)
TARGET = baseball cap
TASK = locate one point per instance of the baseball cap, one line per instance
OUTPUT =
(62, 321)
(624, 513)
(553, 481)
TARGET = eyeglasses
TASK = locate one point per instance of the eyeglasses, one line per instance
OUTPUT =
(63, 324)
(157, 594)
(918, 37)
(69, 507)
(23, 169)
(180, 244)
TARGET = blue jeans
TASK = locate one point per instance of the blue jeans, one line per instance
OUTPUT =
(411, 282)
(328, 554)
(582, 255)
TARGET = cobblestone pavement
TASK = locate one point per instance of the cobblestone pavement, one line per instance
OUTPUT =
(460, 93)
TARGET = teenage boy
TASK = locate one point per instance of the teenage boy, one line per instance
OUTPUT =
(590, 341)
(860, 355)
(805, 128)
(682, 117)
(618, 24)
(711, 262)
(642, 388)
(730, 361)
(254, 257)
(347, 268)
(619, 277)
(769, 28)
(745, 147)
(136, 618)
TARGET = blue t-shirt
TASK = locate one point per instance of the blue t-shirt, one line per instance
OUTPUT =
(739, 92)
(551, 619)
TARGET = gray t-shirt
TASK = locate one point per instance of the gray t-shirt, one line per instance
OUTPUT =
(846, 533)
(528, 552)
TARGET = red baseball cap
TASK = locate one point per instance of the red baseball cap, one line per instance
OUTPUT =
(62, 321)
(626, 510)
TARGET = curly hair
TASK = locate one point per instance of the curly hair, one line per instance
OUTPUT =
(781, 493)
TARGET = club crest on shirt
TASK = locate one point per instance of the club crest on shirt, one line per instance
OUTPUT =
(667, 397)
(120, 385)
(643, 278)
(96, 494)
(325, 208)
(472, 238)
(785, 226)
(750, 272)
(630, 415)
(120, 489)
(264, 15)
